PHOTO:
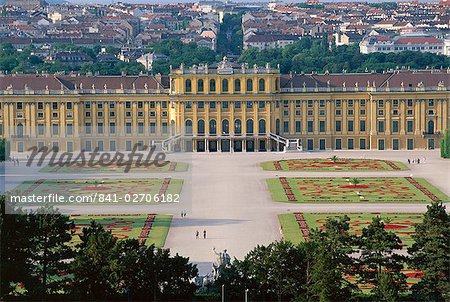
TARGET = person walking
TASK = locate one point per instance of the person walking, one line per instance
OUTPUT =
(204, 234)
(409, 161)
(197, 233)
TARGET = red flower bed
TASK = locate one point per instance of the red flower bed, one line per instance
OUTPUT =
(355, 187)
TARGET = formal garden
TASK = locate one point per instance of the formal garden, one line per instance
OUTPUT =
(148, 229)
(354, 190)
(333, 164)
(105, 190)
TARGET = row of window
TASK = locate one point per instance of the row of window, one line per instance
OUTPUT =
(310, 144)
(225, 87)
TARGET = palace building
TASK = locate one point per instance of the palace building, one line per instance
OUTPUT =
(227, 107)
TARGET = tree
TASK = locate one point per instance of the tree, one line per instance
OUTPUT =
(94, 263)
(15, 248)
(431, 254)
(333, 246)
(355, 181)
(4, 149)
(445, 145)
(378, 256)
(51, 252)
(278, 271)
(334, 158)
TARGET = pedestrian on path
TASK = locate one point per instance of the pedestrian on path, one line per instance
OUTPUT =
(204, 234)
(197, 233)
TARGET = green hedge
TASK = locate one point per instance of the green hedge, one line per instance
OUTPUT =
(445, 145)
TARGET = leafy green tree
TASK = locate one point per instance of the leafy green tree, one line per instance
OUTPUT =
(445, 145)
(16, 249)
(94, 263)
(51, 252)
(4, 149)
(431, 254)
(278, 271)
(378, 256)
(332, 247)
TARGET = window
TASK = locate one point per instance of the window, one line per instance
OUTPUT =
(237, 126)
(395, 126)
(128, 127)
(261, 104)
(188, 127)
(410, 103)
(381, 112)
(310, 126)
(350, 103)
(152, 127)
(381, 144)
(310, 103)
(140, 104)
(298, 126)
(188, 105)
(19, 105)
(225, 85)
(362, 103)
(225, 126)
(262, 126)
(249, 104)
(87, 105)
(249, 85)
(410, 126)
(338, 144)
(112, 128)
(141, 127)
(350, 112)
(212, 85)
(430, 103)
(212, 105)
(55, 129)
(395, 144)
(350, 126)
(127, 105)
(100, 105)
(395, 112)
(362, 143)
(322, 144)
(112, 145)
(40, 106)
(350, 144)
(338, 126)
(249, 125)
(322, 103)
(298, 104)
(201, 127)
(285, 126)
(200, 85)
(55, 106)
(338, 112)
(112, 105)
(69, 129)
(201, 105)
(298, 112)
(381, 103)
(395, 103)
(380, 126)
(261, 85)
(188, 85)
(321, 126)
(152, 104)
(237, 105)
(164, 104)
(225, 105)
(100, 128)
(41, 129)
(237, 85)
(410, 144)
(362, 112)
(362, 125)
(165, 128)
(212, 127)
(87, 127)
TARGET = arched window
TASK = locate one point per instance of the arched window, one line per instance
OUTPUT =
(201, 127)
(261, 85)
(225, 127)
(430, 127)
(262, 126)
(277, 127)
(212, 127)
(225, 85)
(200, 86)
(19, 130)
(249, 85)
(237, 126)
(188, 85)
(212, 85)
(188, 127)
(249, 126)
(237, 85)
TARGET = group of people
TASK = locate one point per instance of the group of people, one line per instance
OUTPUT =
(183, 214)
(197, 234)
(416, 161)
(14, 160)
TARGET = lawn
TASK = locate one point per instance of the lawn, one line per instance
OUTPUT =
(96, 168)
(340, 164)
(116, 189)
(148, 229)
(296, 228)
(344, 190)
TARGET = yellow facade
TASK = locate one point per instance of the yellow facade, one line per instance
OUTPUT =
(228, 107)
